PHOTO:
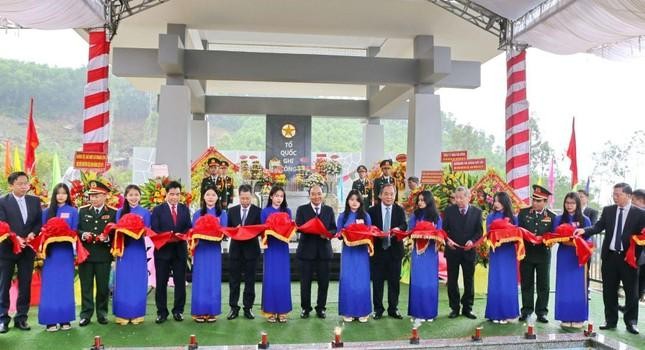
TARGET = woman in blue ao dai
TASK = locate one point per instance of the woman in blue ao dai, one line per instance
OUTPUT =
(57, 307)
(131, 276)
(423, 301)
(502, 301)
(355, 297)
(571, 302)
(206, 302)
(276, 280)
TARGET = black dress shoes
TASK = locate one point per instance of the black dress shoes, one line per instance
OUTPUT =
(453, 314)
(161, 319)
(321, 314)
(542, 319)
(470, 315)
(395, 314)
(378, 315)
(102, 320)
(304, 314)
(22, 325)
(607, 327)
(233, 314)
(632, 329)
(84, 322)
(178, 317)
(4, 328)
(523, 317)
(248, 314)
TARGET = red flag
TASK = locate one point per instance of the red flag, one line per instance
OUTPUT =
(32, 141)
(572, 154)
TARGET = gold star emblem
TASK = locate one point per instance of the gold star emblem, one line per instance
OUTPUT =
(288, 130)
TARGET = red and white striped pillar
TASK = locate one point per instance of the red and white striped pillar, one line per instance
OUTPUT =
(518, 141)
(96, 115)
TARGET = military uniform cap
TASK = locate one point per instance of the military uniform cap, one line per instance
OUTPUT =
(213, 162)
(97, 187)
(540, 192)
(386, 162)
(361, 167)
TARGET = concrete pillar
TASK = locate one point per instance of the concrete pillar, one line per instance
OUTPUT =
(199, 136)
(373, 142)
(424, 118)
(173, 132)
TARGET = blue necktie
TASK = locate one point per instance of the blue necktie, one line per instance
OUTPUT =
(386, 227)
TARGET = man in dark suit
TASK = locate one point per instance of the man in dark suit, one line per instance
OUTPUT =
(619, 222)
(363, 185)
(388, 252)
(213, 175)
(24, 216)
(536, 266)
(95, 270)
(463, 224)
(243, 255)
(172, 217)
(386, 169)
(587, 211)
(314, 252)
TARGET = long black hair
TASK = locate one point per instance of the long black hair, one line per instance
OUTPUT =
(360, 212)
(577, 216)
(274, 190)
(430, 212)
(53, 203)
(126, 205)
(507, 207)
(218, 204)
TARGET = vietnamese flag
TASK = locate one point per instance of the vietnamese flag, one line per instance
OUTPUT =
(32, 141)
(572, 154)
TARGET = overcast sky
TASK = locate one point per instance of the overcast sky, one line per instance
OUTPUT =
(606, 97)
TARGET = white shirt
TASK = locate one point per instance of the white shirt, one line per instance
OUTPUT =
(613, 238)
(100, 209)
(22, 204)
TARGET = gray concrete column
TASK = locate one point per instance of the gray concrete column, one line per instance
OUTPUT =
(373, 142)
(424, 132)
(173, 133)
(199, 136)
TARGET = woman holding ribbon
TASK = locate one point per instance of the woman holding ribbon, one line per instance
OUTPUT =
(205, 246)
(276, 280)
(131, 277)
(502, 301)
(354, 299)
(424, 225)
(61, 206)
(571, 303)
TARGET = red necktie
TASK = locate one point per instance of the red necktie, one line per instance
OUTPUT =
(173, 212)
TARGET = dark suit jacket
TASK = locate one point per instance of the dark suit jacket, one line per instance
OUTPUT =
(592, 214)
(312, 247)
(161, 221)
(634, 223)
(462, 231)
(249, 249)
(397, 220)
(10, 213)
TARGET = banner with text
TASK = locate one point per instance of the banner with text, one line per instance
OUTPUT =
(431, 177)
(469, 164)
(288, 140)
(451, 156)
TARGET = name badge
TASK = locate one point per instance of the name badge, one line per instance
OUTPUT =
(64, 216)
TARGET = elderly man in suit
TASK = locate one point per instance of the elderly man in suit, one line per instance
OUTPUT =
(243, 255)
(314, 252)
(619, 222)
(23, 214)
(388, 252)
(463, 224)
(173, 217)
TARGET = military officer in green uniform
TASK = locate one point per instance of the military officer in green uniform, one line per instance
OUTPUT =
(535, 268)
(213, 174)
(386, 168)
(224, 185)
(92, 221)
(363, 185)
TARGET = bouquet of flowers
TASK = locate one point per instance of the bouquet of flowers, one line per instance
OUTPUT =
(154, 193)
(79, 188)
(314, 179)
(39, 189)
(483, 254)
(483, 192)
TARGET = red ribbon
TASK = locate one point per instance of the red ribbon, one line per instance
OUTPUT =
(630, 254)
(565, 234)
(422, 233)
(361, 234)
(315, 227)
(280, 226)
(5, 232)
(244, 233)
(208, 228)
(161, 239)
(56, 230)
(130, 224)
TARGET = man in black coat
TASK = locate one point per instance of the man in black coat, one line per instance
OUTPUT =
(587, 211)
(388, 252)
(619, 222)
(23, 214)
(463, 224)
(173, 217)
(243, 255)
(314, 252)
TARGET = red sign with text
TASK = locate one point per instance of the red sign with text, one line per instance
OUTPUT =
(449, 157)
(469, 164)
(431, 177)
(90, 161)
